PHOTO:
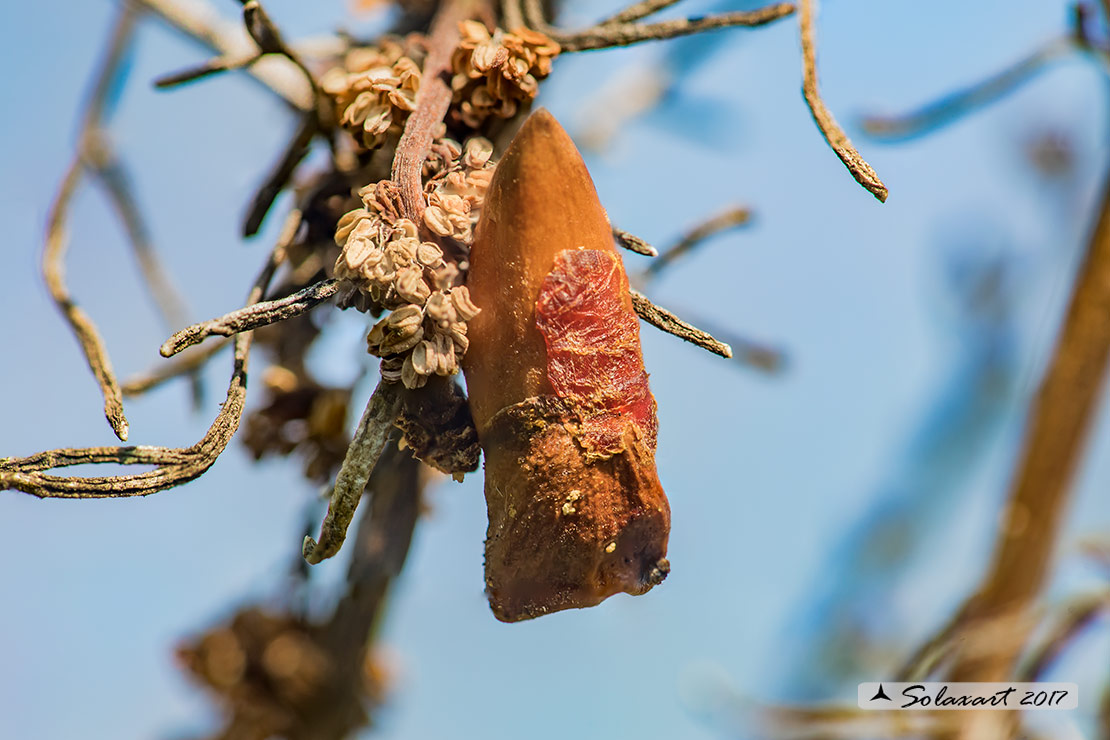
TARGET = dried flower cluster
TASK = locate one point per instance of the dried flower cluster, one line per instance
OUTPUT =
(374, 90)
(494, 74)
(391, 269)
(456, 187)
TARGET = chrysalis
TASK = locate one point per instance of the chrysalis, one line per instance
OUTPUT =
(558, 391)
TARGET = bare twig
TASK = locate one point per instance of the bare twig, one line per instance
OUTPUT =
(731, 218)
(633, 243)
(252, 317)
(1070, 620)
(637, 11)
(276, 181)
(432, 103)
(206, 69)
(663, 319)
(185, 363)
(200, 21)
(1054, 440)
(610, 34)
(174, 466)
(369, 441)
(84, 329)
(830, 129)
(951, 107)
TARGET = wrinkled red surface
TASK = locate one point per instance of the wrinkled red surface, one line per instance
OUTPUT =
(594, 361)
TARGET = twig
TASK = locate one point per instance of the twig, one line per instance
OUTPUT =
(610, 35)
(731, 218)
(511, 18)
(663, 319)
(84, 329)
(1071, 619)
(276, 181)
(633, 243)
(185, 363)
(828, 126)
(252, 317)
(949, 108)
(200, 21)
(1057, 431)
(174, 465)
(206, 69)
(635, 12)
(432, 103)
(53, 255)
(367, 445)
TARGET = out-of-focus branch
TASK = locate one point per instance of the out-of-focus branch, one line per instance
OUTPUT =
(200, 21)
(635, 12)
(830, 129)
(185, 363)
(1054, 441)
(951, 107)
(729, 219)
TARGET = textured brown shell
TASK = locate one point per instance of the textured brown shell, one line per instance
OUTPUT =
(558, 391)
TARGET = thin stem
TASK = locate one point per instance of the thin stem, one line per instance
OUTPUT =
(252, 317)
(362, 455)
(663, 319)
(828, 126)
(636, 12)
(729, 219)
(608, 36)
(432, 103)
(951, 107)
(1058, 427)
(633, 243)
(206, 69)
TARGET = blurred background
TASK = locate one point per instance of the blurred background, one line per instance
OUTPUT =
(827, 517)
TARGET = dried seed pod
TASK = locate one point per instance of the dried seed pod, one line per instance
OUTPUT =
(558, 391)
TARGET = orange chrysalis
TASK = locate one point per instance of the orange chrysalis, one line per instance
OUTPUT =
(558, 391)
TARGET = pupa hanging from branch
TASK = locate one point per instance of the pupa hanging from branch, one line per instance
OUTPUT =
(558, 391)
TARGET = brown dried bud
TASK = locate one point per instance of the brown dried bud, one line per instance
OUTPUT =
(558, 391)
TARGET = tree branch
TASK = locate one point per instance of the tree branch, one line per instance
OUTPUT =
(828, 126)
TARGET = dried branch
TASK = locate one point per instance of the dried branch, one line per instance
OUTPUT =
(635, 12)
(185, 363)
(1054, 440)
(633, 243)
(432, 103)
(201, 22)
(252, 317)
(84, 329)
(206, 69)
(1071, 619)
(277, 180)
(174, 466)
(828, 126)
(511, 16)
(610, 34)
(731, 218)
(951, 107)
(369, 441)
(663, 319)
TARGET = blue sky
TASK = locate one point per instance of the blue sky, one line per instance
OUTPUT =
(769, 478)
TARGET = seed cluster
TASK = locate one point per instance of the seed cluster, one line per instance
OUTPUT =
(374, 91)
(495, 73)
(388, 267)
